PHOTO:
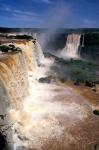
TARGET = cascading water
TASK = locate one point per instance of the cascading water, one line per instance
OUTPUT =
(15, 69)
(39, 53)
(43, 115)
(72, 47)
(28, 54)
(13, 76)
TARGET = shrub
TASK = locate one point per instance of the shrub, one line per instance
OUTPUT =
(4, 48)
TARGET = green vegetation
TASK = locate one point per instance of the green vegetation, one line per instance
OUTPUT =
(83, 71)
(4, 48)
(79, 71)
(27, 37)
(11, 47)
(24, 36)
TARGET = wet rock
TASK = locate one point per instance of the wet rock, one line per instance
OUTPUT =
(12, 46)
(18, 49)
(30, 75)
(2, 117)
(41, 65)
(94, 89)
(3, 141)
(76, 83)
(22, 148)
(96, 147)
(89, 84)
(45, 80)
(9, 51)
(63, 80)
(34, 41)
(96, 112)
(23, 138)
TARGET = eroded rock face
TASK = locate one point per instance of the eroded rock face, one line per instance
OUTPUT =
(3, 141)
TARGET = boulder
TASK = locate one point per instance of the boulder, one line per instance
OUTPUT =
(89, 83)
(96, 112)
(45, 80)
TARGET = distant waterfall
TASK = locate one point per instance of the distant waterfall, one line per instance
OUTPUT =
(83, 41)
(72, 46)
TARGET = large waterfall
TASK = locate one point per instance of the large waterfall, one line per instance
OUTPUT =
(72, 47)
(15, 69)
(17, 77)
(40, 115)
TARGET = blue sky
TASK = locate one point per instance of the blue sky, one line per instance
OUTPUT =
(49, 13)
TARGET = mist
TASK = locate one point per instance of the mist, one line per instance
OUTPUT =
(55, 19)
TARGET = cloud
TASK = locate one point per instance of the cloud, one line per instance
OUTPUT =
(20, 15)
(17, 11)
(26, 18)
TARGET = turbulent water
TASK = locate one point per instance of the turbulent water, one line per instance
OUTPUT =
(44, 116)
(71, 49)
(39, 53)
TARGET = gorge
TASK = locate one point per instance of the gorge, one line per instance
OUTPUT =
(49, 115)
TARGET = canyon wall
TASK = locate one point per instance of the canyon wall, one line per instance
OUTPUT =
(89, 46)
(76, 44)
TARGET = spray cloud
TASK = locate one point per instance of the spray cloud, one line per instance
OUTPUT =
(55, 19)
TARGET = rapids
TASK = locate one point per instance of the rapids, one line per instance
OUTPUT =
(44, 116)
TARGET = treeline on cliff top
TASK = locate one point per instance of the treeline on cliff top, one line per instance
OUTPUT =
(63, 30)
(24, 36)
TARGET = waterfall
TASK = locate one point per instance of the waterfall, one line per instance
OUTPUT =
(39, 114)
(28, 55)
(38, 50)
(15, 69)
(13, 76)
(17, 74)
(39, 53)
(72, 46)
(83, 41)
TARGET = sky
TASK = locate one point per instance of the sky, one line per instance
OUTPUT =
(49, 13)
